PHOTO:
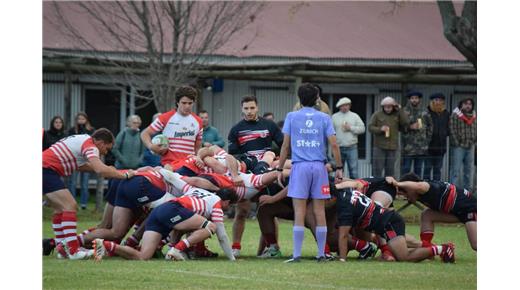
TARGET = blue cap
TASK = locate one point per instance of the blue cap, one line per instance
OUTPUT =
(413, 93)
(437, 96)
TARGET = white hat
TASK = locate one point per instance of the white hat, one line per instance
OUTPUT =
(343, 101)
(388, 101)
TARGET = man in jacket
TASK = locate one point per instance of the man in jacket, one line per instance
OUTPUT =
(437, 147)
(385, 126)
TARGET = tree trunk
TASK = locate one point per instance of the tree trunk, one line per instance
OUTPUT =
(461, 31)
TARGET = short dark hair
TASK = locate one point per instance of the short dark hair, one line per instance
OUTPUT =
(227, 194)
(104, 135)
(465, 100)
(268, 114)
(203, 112)
(308, 94)
(250, 98)
(280, 124)
(410, 177)
(186, 91)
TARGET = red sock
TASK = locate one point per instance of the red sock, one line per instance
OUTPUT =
(269, 239)
(182, 245)
(385, 249)
(236, 246)
(132, 242)
(82, 235)
(110, 247)
(56, 227)
(327, 249)
(68, 224)
(359, 245)
(426, 238)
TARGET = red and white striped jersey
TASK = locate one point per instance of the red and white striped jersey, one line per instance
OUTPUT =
(70, 153)
(182, 133)
(155, 178)
(220, 156)
(252, 185)
(204, 203)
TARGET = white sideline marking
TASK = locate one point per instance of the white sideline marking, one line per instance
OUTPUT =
(304, 285)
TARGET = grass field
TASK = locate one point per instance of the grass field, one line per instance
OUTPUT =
(250, 272)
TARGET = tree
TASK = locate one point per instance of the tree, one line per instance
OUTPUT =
(461, 31)
(158, 44)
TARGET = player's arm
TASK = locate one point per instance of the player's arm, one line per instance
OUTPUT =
(233, 169)
(173, 178)
(284, 152)
(351, 183)
(410, 187)
(343, 242)
(146, 137)
(337, 157)
(108, 171)
(266, 199)
(224, 240)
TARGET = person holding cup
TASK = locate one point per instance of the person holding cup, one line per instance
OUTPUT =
(385, 126)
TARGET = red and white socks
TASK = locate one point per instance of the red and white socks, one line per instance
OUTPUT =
(426, 238)
(68, 227)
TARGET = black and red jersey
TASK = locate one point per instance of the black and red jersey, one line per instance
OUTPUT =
(446, 197)
(373, 184)
(254, 137)
(357, 210)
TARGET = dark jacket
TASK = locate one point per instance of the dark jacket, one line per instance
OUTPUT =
(52, 136)
(397, 121)
(81, 130)
(441, 131)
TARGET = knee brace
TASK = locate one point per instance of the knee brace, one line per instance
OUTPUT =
(206, 225)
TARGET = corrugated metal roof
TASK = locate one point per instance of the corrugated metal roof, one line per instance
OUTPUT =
(322, 30)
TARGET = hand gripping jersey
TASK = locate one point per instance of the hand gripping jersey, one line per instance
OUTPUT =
(202, 202)
(182, 132)
(373, 184)
(357, 210)
(70, 153)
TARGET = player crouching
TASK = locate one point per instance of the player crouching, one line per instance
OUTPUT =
(357, 210)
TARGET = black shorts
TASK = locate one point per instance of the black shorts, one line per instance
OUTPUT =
(251, 162)
(136, 192)
(393, 227)
(164, 218)
(465, 208)
(51, 181)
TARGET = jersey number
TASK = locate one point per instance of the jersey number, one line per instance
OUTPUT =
(363, 199)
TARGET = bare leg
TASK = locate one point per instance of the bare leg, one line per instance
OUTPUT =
(412, 242)
(428, 217)
(122, 221)
(62, 200)
(106, 222)
(242, 211)
(382, 198)
(471, 230)
(400, 250)
(148, 246)
(213, 163)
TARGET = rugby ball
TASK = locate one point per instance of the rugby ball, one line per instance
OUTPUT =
(161, 140)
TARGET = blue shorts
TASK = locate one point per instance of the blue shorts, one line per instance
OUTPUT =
(136, 192)
(164, 217)
(110, 195)
(309, 179)
(51, 181)
(185, 171)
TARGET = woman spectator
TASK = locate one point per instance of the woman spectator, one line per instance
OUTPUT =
(82, 126)
(55, 132)
(128, 148)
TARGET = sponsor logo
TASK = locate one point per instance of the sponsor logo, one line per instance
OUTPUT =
(175, 219)
(184, 134)
(309, 123)
(325, 190)
(143, 199)
(308, 131)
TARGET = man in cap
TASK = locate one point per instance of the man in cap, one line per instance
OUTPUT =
(440, 127)
(416, 136)
(348, 125)
(385, 126)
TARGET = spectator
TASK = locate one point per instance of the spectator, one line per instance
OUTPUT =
(268, 116)
(417, 135)
(320, 105)
(385, 126)
(348, 125)
(463, 138)
(81, 126)
(437, 147)
(149, 158)
(55, 132)
(210, 135)
(128, 148)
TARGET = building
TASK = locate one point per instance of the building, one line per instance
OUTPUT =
(362, 50)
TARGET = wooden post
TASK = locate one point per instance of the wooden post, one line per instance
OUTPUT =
(67, 97)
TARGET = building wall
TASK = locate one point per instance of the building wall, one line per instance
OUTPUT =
(53, 98)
